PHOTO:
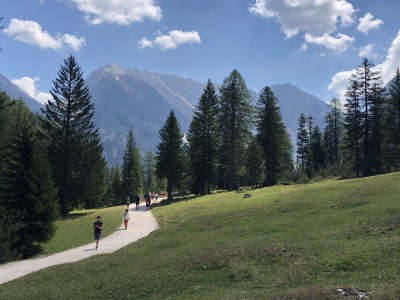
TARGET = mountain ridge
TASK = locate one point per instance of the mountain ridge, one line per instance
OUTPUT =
(16, 93)
(125, 97)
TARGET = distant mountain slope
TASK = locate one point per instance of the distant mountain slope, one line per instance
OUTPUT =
(293, 101)
(129, 97)
(125, 97)
(16, 93)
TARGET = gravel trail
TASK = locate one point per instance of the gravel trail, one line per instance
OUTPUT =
(142, 223)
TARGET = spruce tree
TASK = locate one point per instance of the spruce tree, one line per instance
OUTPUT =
(254, 164)
(309, 168)
(302, 143)
(170, 156)
(392, 140)
(114, 195)
(353, 127)
(333, 132)
(235, 117)
(72, 140)
(203, 141)
(149, 180)
(132, 182)
(318, 150)
(376, 155)
(28, 195)
(370, 93)
(272, 137)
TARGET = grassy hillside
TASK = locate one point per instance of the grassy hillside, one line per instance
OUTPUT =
(286, 242)
(75, 229)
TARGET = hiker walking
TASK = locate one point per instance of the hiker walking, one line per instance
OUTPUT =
(128, 201)
(126, 217)
(148, 200)
(137, 200)
(97, 227)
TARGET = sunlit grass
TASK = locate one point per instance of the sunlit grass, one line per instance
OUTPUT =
(77, 228)
(285, 242)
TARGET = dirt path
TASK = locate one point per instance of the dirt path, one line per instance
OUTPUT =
(142, 223)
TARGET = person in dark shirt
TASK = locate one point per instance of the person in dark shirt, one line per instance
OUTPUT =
(97, 227)
(137, 200)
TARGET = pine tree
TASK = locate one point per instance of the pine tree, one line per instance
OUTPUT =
(302, 143)
(254, 164)
(366, 88)
(28, 194)
(132, 182)
(318, 150)
(149, 179)
(203, 141)
(72, 138)
(169, 156)
(92, 173)
(333, 132)
(235, 116)
(114, 195)
(376, 155)
(309, 168)
(370, 85)
(392, 141)
(353, 127)
(272, 136)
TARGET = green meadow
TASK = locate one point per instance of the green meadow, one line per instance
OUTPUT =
(284, 242)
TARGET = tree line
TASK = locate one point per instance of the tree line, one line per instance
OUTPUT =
(361, 137)
(52, 162)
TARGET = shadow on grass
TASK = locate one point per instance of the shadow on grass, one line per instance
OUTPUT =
(73, 216)
(173, 201)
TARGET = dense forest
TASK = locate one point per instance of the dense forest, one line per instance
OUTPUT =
(52, 162)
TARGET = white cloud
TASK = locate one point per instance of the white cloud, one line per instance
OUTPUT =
(392, 60)
(338, 44)
(121, 12)
(340, 80)
(368, 23)
(31, 32)
(315, 17)
(28, 85)
(171, 40)
(367, 51)
(72, 41)
(339, 83)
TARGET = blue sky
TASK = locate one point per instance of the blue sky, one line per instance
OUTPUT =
(313, 44)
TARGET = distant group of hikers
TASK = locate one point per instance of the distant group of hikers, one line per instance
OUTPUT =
(98, 224)
(148, 198)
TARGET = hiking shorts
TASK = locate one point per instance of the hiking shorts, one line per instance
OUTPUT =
(97, 235)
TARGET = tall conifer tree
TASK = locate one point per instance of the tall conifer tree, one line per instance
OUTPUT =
(370, 83)
(333, 132)
(149, 180)
(366, 86)
(170, 156)
(254, 164)
(73, 141)
(353, 127)
(318, 150)
(28, 195)
(203, 141)
(132, 182)
(235, 116)
(302, 142)
(272, 137)
(392, 143)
